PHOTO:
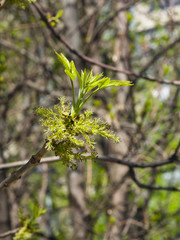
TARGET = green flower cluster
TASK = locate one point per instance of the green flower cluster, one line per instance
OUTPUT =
(72, 138)
(68, 133)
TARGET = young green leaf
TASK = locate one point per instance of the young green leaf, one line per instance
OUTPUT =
(59, 14)
(63, 60)
(70, 74)
(89, 84)
(116, 83)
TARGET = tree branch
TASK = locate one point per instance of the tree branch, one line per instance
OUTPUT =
(103, 25)
(158, 55)
(90, 60)
(21, 51)
(37, 159)
(8, 233)
(172, 159)
(150, 187)
(20, 163)
(33, 161)
(2, 3)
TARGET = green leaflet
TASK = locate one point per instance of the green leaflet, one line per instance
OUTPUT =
(63, 60)
(89, 84)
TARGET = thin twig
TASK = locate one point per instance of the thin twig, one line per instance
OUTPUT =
(158, 55)
(150, 187)
(103, 25)
(21, 51)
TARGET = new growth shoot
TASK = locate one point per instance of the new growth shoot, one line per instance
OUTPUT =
(89, 84)
(68, 133)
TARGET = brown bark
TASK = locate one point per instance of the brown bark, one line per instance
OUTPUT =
(118, 175)
(80, 213)
(5, 223)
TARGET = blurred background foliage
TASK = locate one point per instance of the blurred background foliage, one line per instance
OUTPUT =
(99, 200)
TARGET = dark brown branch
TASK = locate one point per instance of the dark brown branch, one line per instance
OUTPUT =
(127, 162)
(33, 161)
(149, 187)
(90, 60)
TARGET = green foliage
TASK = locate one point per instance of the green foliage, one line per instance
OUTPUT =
(72, 137)
(68, 133)
(28, 224)
(2, 70)
(54, 19)
(100, 226)
(22, 3)
(2, 62)
(163, 214)
(89, 84)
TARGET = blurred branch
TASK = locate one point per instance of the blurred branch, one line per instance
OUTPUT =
(33, 161)
(90, 60)
(172, 159)
(103, 25)
(12, 93)
(158, 55)
(20, 163)
(2, 3)
(8, 233)
(21, 51)
(26, 54)
(86, 18)
(37, 159)
(127, 162)
(150, 187)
